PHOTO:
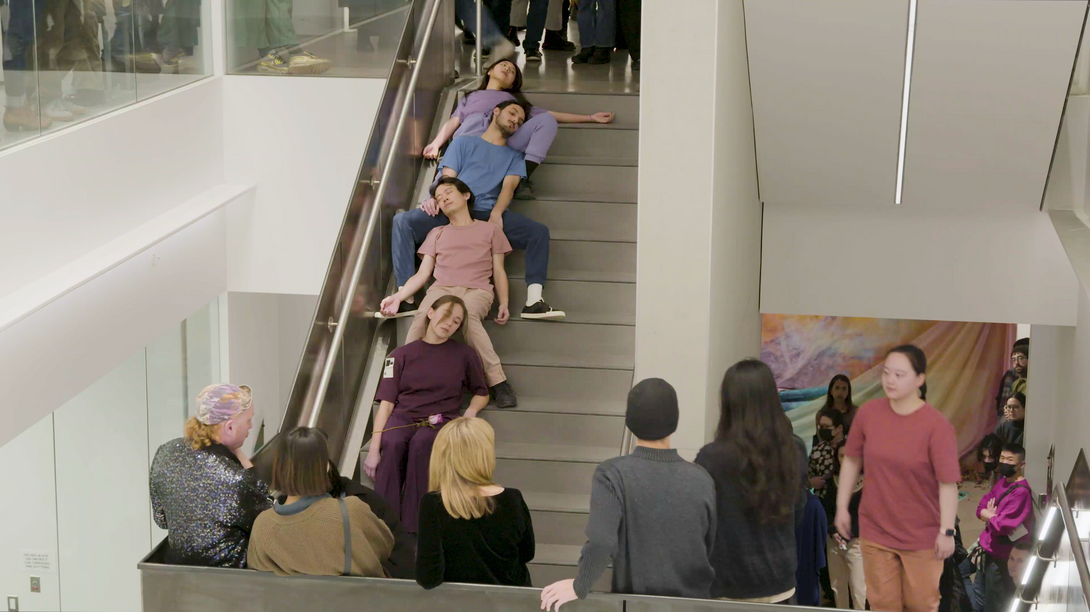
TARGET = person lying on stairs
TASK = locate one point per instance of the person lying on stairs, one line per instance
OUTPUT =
(421, 391)
(502, 83)
(465, 256)
(492, 171)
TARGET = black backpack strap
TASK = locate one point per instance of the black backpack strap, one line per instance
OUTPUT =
(347, 538)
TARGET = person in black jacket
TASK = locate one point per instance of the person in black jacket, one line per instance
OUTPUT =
(402, 561)
(759, 469)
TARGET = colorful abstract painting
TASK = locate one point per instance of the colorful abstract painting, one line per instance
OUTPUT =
(965, 364)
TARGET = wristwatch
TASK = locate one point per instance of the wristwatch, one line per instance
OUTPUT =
(949, 533)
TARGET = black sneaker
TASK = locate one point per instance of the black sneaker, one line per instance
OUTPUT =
(602, 55)
(468, 38)
(583, 56)
(525, 190)
(635, 65)
(555, 42)
(504, 395)
(543, 312)
(533, 55)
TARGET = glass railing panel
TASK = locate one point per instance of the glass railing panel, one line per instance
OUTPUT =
(66, 61)
(22, 116)
(344, 38)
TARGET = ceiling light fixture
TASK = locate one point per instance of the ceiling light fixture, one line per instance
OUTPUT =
(904, 98)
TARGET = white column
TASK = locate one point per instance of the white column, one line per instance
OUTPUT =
(698, 262)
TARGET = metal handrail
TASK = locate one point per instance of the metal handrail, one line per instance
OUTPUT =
(1073, 539)
(357, 271)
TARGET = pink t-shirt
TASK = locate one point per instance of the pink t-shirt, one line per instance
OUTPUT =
(904, 459)
(463, 255)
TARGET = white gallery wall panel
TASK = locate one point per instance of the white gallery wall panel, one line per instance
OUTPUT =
(900, 263)
(826, 80)
(989, 81)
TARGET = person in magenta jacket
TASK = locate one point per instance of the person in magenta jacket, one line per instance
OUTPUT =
(1007, 511)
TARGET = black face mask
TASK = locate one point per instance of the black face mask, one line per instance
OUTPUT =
(1006, 470)
(989, 466)
(825, 435)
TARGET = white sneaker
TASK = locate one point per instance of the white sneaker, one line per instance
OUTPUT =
(57, 110)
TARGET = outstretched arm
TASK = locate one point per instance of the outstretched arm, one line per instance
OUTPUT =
(603, 117)
(432, 150)
(390, 305)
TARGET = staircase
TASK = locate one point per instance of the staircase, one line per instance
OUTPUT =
(572, 377)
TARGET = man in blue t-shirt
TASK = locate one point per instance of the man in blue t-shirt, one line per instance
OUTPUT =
(492, 170)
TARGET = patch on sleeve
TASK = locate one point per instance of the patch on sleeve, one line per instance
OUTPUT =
(388, 369)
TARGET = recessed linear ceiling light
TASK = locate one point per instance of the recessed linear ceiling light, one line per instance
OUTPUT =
(904, 98)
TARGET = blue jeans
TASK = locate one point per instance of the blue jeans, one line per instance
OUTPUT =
(596, 23)
(535, 24)
(411, 228)
(19, 40)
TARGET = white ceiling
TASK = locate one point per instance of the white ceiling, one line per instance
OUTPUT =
(988, 84)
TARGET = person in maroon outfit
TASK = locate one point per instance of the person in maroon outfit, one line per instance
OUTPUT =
(421, 391)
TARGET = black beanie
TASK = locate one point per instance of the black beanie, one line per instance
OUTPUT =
(652, 412)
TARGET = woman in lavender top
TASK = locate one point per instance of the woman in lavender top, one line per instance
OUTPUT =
(503, 82)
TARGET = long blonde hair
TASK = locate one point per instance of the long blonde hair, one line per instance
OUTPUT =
(462, 461)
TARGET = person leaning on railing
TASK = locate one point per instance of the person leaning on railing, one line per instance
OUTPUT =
(472, 530)
(312, 533)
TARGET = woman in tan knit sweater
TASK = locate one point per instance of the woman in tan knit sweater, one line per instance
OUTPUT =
(308, 533)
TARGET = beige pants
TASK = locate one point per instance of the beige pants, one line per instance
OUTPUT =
(478, 303)
(846, 570)
(901, 579)
(554, 19)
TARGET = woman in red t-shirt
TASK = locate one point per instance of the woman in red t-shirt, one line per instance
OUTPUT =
(906, 519)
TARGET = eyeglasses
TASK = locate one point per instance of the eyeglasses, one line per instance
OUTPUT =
(1019, 359)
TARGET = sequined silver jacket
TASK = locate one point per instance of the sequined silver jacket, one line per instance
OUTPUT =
(207, 502)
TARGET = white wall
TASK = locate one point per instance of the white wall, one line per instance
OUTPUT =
(267, 333)
(734, 277)
(1049, 377)
(902, 264)
(103, 507)
(690, 256)
(67, 194)
(29, 516)
(62, 348)
(301, 142)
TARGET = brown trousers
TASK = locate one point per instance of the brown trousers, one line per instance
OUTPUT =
(478, 303)
(901, 579)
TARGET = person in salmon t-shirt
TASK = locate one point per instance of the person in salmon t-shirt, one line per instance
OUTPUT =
(906, 519)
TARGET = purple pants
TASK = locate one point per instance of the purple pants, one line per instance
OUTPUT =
(533, 139)
(402, 475)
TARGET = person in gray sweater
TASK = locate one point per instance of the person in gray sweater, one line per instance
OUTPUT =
(651, 512)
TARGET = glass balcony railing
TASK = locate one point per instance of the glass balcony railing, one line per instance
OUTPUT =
(340, 38)
(66, 61)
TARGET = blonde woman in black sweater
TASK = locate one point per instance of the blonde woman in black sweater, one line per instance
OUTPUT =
(471, 529)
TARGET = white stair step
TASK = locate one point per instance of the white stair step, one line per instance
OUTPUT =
(625, 108)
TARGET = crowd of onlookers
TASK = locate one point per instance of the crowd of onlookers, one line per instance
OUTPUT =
(749, 520)
(604, 26)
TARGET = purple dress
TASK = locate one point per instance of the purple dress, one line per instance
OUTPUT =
(421, 380)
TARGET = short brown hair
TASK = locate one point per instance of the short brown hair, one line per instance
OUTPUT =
(301, 466)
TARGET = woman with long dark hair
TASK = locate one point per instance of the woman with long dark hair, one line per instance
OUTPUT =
(501, 83)
(759, 468)
(906, 519)
(839, 398)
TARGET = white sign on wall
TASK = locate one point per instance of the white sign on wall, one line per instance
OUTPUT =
(39, 561)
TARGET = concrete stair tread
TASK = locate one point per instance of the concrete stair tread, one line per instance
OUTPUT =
(556, 502)
(550, 452)
(530, 358)
(556, 554)
(597, 161)
(584, 302)
(552, 405)
(597, 126)
(582, 260)
(582, 221)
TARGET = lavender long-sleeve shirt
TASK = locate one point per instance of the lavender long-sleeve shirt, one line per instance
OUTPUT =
(1015, 509)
